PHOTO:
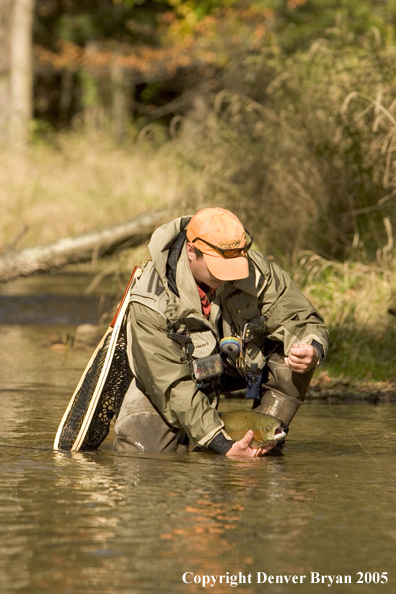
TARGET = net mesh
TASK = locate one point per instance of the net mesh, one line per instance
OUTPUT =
(108, 400)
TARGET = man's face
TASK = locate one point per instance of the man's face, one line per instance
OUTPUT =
(200, 271)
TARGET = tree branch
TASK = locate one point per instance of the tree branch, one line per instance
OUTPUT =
(80, 248)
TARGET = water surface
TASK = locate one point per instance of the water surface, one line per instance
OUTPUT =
(97, 522)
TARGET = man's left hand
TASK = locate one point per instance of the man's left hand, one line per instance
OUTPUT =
(243, 448)
(302, 358)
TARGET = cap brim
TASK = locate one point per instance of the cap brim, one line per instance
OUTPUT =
(227, 269)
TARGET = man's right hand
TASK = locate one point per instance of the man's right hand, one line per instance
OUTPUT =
(243, 448)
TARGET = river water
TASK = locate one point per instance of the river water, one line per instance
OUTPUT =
(101, 523)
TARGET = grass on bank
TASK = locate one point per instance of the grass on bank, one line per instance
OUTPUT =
(354, 300)
(78, 183)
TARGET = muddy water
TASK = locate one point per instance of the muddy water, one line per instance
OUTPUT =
(98, 522)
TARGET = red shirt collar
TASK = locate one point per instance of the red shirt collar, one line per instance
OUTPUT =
(205, 301)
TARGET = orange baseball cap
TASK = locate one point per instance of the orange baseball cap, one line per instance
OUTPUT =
(213, 229)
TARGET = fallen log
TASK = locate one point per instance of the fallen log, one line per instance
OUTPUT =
(79, 248)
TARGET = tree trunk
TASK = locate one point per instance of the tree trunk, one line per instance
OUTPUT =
(5, 20)
(66, 97)
(119, 89)
(21, 75)
(90, 93)
(80, 248)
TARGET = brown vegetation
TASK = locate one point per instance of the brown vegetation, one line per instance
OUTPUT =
(79, 184)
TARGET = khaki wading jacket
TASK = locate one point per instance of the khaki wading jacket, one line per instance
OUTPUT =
(268, 297)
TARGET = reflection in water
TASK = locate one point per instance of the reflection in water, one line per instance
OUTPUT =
(97, 522)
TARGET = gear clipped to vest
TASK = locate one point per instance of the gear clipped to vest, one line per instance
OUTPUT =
(203, 368)
(253, 379)
(231, 346)
(207, 367)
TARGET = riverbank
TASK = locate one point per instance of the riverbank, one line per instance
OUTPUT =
(339, 390)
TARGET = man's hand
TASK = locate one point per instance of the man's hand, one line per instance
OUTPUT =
(242, 448)
(302, 358)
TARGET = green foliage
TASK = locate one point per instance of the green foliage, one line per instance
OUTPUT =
(41, 132)
(308, 141)
(298, 23)
(353, 299)
(77, 28)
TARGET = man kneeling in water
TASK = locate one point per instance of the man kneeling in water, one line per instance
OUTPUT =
(207, 314)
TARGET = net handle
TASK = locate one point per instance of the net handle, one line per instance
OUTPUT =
(124, 297)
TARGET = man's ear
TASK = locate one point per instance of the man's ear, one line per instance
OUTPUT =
(190, 252)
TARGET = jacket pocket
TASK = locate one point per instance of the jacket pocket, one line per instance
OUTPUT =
(205, 344)
(243, 307)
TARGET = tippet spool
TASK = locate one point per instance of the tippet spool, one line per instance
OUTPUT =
(230, 345)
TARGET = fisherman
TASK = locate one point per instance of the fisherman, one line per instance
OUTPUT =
(210, 315)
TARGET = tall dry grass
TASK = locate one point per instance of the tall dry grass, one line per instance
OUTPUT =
(77, 183)
(303, 148)
(354, 299)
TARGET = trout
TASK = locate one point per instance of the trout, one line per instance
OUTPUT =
(265, 429)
